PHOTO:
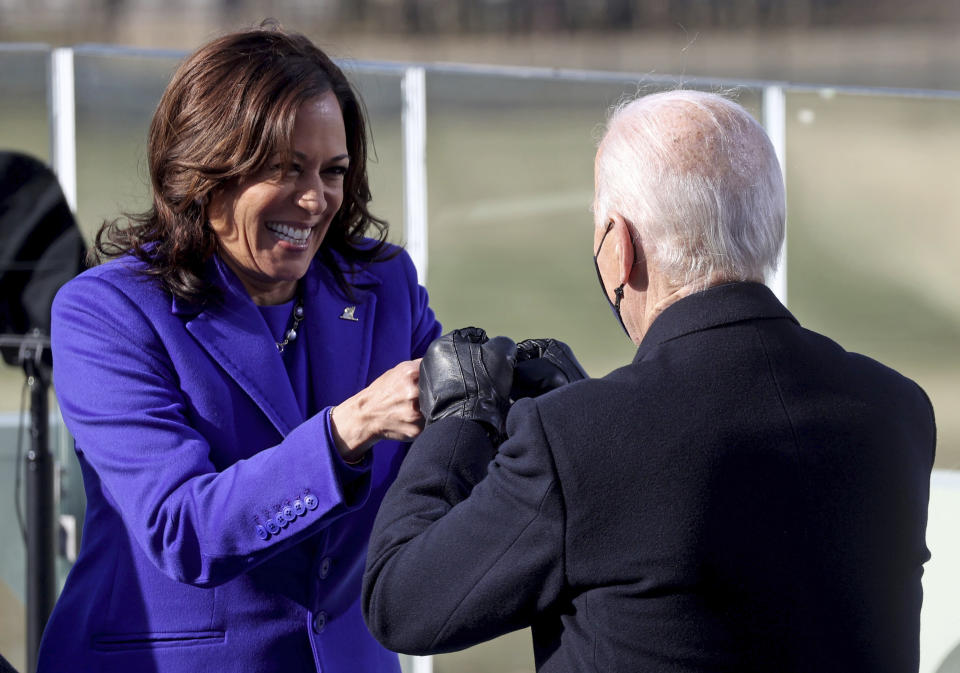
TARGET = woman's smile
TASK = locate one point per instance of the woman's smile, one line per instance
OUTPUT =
(271, 224)
(294, 236)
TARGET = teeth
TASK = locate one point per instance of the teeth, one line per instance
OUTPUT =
(292, 234)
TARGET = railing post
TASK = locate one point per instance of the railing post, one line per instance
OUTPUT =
(63, 125)
(775, 122)
(414, 122)
(412, 664)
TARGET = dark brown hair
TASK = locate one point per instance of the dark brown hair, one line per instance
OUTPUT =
(230, 106)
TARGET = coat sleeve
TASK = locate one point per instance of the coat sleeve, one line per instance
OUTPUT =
(121, 399)
(465, 548)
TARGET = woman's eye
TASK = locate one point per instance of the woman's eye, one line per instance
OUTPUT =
(337, 170)
(286, 169)
(283, 171)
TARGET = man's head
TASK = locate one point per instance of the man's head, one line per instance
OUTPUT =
(697, 178)
(692, 182)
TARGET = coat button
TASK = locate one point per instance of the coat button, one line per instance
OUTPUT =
(288, 513)
(281, 520)
(325, 567)
(299, 508)
(262, 532)
(319, 622)
(272, 527)
(310, 500)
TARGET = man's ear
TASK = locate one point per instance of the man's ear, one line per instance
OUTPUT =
(631, 260)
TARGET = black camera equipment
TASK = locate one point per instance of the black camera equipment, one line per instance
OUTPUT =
(41, 248)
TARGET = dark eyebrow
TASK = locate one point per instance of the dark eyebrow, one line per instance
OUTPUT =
(339, 157)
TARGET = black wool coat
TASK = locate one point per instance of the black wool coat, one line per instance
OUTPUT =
(745, 496)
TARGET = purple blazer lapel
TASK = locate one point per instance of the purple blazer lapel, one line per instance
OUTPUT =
(234, 334)
(339, 333)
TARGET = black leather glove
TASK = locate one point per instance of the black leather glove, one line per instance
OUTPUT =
(465, 374)
(542, 365)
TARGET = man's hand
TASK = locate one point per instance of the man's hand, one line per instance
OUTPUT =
(464, 374)
(542, 365)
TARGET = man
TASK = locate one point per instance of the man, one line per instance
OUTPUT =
(744, 496)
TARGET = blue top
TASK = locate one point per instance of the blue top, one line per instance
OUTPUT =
(278, 320)
(223, 531)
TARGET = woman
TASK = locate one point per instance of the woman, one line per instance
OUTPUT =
(227, 376)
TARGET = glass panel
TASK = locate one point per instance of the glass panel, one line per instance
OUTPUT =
(510, 163)
(24, 123)
(872, 235)
(381, 95)
(116, 97)
(510, 172)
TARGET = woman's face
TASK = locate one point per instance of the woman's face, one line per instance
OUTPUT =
(270, 224)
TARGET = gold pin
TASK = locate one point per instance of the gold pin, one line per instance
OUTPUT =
(348, 314)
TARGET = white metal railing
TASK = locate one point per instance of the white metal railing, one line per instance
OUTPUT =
(939, 628)
(775, 122)
(63, 123)
(413, 121)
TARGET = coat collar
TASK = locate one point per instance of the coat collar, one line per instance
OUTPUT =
(715, 306)
(339, 332)
(234, 334)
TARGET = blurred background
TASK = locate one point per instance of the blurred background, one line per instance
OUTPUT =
(872, 124)
(850, 42)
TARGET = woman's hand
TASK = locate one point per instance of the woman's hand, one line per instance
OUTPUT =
(388, 408)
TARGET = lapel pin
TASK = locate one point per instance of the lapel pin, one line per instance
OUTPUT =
(348, 314)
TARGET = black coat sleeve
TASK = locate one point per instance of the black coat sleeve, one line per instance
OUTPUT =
(468, 543)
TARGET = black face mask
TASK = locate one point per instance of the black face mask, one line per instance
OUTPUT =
(615, 307)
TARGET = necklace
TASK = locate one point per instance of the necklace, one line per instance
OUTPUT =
(295, 319)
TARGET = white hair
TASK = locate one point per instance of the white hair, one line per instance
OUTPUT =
(698, 179)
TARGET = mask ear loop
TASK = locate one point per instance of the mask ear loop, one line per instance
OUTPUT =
(618, 292)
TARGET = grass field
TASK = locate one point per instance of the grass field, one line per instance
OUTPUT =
(872, 241)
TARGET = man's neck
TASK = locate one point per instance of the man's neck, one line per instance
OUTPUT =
(661, 293)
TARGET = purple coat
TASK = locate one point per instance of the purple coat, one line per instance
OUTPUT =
(223, 532)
